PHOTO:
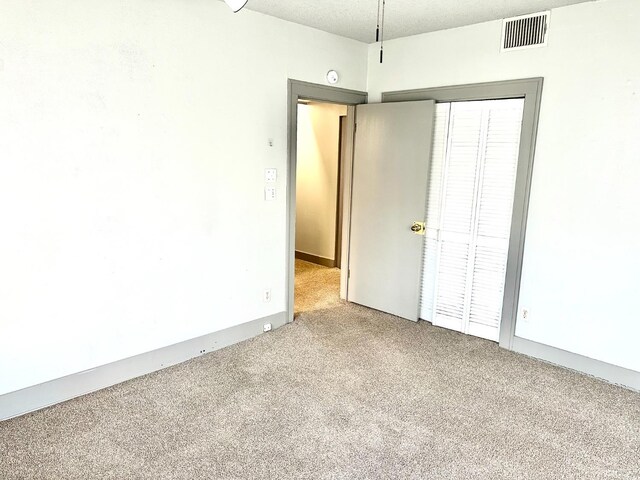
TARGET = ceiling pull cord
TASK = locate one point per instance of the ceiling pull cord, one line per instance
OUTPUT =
(378, 24)
(382, 31)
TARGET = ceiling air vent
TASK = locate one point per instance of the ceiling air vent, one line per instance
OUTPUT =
(526, 31)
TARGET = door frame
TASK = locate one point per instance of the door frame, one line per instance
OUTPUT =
(299, 90)
(342, 145)
(531, 90)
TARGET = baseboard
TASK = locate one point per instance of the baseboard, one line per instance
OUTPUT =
(307, 257)
(39, 396)
(605, 371)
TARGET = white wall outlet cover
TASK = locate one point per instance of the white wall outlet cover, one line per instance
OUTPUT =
(266, 327)
(270, 174)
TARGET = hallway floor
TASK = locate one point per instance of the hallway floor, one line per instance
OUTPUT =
(316, 287)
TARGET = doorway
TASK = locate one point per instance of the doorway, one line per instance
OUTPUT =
(321, 134)
(321, 94)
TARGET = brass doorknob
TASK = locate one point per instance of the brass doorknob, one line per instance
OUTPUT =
(418, 228)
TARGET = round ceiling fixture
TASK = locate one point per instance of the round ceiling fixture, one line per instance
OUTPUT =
(332, 77)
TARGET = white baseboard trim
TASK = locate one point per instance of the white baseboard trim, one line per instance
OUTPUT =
(39, 396)
(605, 371)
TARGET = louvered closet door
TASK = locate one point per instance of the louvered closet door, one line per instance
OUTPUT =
(465, 258)
(434, 195)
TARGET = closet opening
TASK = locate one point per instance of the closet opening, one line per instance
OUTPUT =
(469, 212)
(478, 199)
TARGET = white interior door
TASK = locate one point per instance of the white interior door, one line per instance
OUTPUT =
(469, 211)
(390, 177)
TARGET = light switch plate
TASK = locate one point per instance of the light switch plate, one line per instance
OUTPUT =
(270, 193)
(270, 174)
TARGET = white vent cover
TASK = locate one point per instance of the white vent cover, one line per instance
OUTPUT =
(526, 31)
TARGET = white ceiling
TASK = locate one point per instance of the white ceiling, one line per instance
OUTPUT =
(357, 18)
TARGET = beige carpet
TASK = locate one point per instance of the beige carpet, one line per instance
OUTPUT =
(341, 393)
(316, 287)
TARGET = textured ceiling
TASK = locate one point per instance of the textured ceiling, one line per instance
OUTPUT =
(357, 18)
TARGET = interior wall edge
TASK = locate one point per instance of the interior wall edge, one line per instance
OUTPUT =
(30, 399)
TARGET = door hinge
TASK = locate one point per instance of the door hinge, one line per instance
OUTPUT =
(349, 274)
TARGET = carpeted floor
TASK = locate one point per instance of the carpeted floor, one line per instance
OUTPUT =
(316, 287)
(340, 393)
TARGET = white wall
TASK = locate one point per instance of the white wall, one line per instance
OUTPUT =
(133, 139)
(317, 178)
(580, 279)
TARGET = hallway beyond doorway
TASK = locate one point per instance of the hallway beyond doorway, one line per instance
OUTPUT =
(316, 287)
